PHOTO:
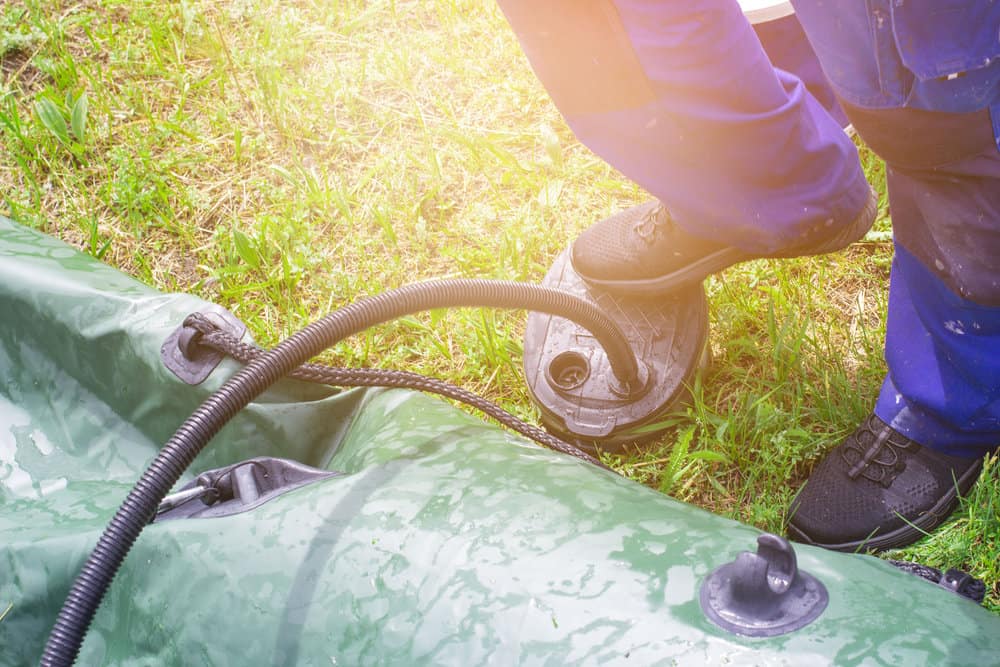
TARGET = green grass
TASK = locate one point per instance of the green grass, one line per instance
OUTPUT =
(285, 158)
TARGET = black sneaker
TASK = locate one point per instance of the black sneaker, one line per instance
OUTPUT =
(878, 490)
(641, 250)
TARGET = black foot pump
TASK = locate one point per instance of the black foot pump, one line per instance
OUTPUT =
(570, 378)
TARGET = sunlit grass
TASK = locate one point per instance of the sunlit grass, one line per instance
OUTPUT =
(285, 158)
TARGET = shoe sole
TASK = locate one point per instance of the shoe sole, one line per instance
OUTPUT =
(908, 533)
(689, 275)
(720, 260)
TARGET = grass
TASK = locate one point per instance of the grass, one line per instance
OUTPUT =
(285, 158)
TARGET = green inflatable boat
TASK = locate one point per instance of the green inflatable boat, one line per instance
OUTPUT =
(376, 526)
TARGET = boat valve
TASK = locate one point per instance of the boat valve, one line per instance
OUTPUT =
(763, 594)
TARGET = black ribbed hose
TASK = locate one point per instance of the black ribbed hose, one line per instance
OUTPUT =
(213, 338)
(140, 505)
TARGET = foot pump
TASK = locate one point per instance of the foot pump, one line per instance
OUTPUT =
(569, 378)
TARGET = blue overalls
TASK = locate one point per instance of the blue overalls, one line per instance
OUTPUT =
(680, 97)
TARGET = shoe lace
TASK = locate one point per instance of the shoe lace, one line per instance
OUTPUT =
(874, 452)
(653, 223)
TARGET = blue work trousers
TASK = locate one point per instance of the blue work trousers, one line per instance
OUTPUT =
(681, 98)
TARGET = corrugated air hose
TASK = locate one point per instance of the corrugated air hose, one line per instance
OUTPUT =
(140, 505)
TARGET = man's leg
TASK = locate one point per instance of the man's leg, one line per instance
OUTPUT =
(901, 472)
(681, 98)
(788, 49)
